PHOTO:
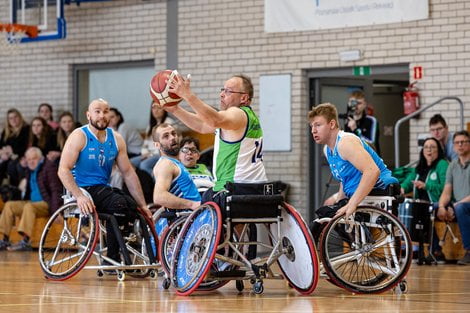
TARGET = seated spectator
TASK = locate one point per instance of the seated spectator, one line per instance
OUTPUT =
(42, 198)
(13, 144)
(427, 179)
(189, 155)
(45, 111)
(66, 125)
(454, 202)
(439, 130)
(149, 153)
(131, 135)
(42, 136)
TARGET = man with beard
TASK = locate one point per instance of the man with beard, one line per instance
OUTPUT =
(87, 160)
(174, 187)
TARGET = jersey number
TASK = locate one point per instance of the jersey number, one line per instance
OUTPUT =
(258, 154)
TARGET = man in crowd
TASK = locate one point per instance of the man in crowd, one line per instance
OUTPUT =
(439, 130)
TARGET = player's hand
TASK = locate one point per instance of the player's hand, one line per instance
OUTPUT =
(348, 209)
(85, 204)
(180, 86)
(147, 212)
(195, 205)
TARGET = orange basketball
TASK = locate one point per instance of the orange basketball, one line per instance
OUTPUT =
(159, 89)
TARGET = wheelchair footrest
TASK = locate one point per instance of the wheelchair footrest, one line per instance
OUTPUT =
(232, 273)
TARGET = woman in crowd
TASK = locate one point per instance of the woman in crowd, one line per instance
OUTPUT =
(66, 125)
(45, 111)
(13, 144)
(42, 136)
(427, 181)
(131, 135)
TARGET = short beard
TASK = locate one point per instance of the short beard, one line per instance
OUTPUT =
(95, 125)
(171, 151)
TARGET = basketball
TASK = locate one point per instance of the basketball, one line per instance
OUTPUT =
(159, 89)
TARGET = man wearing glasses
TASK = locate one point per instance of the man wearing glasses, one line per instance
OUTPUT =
(455, 198)
(439, 130)
(174, 188)
(238, 146)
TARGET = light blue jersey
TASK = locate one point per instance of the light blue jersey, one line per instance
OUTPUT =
(96, 159)
(183, 186)
(350, 176)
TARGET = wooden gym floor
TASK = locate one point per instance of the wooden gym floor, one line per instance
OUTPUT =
(443, 288)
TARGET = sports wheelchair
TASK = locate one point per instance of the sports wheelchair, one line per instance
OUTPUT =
(371, 251)
(213, 246)
(83, 236)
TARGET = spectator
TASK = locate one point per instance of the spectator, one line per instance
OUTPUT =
(13, 144)
(439, 130)
(360, 123)
(454, 202)
(131, 135)
(42, 198)
(45, 111)
(66, 125)
(149, 153)
(42, 136)
(189, 155)
(428, 178)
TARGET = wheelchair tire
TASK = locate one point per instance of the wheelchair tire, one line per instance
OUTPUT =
(373, 256)
(167, 244)
(195, 248)
(297, 239)
(61, 257)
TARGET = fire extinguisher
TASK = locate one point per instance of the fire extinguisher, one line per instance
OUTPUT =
(411, 99)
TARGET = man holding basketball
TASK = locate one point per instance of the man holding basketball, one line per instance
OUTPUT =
(238, 146)
(87, 160)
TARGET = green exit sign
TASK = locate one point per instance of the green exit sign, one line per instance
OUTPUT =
(361, 70)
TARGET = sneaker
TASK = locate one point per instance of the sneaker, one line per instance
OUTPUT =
(4, 244)
(22, 245)
(439, 258)
(465, 260)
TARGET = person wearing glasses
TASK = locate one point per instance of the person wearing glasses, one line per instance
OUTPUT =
(439, 130)
(238, 145)
(174, 187)
(454, 202)
(189, 155)
(88, 157)
(360, 123)
(427, 181)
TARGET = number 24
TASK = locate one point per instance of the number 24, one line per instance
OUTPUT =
(258, 154)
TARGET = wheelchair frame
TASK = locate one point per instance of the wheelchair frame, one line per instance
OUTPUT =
(62, 258)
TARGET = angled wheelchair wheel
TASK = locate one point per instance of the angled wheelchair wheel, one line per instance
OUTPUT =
(299, 264)
(369, 254)
(167, 244)
(63, 255)
(195, 248)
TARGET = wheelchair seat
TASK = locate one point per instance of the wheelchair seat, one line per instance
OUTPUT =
(253, 206)
(392, 190)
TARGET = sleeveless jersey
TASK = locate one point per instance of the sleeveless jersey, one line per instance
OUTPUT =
(348, 175)
(182, 186)
(240, 161)
(96, 159)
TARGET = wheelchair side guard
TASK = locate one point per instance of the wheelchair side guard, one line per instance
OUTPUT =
(299, 263)
(195, 248)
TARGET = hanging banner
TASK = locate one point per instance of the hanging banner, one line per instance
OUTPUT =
(300, 15)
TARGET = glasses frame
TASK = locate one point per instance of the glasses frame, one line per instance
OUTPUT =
(229, 92)
(461, 142)
(186, 150)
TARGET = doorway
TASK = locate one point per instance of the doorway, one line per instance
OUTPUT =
(383, 89)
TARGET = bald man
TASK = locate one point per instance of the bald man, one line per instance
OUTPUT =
(87, 160)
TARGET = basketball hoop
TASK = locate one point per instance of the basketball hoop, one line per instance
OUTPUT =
(11, 35)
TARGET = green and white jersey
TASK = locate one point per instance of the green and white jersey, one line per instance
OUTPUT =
(240, 161)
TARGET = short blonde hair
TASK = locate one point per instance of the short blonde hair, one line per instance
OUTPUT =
(327, 110)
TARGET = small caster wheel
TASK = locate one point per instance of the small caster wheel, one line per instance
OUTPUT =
(252, 281)
(239, 285)
(153, 274)
(403, 285)
(121, 276)
(166, 283)
(258, 287)
(99, 273)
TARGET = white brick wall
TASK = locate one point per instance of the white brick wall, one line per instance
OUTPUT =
(221, 37)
